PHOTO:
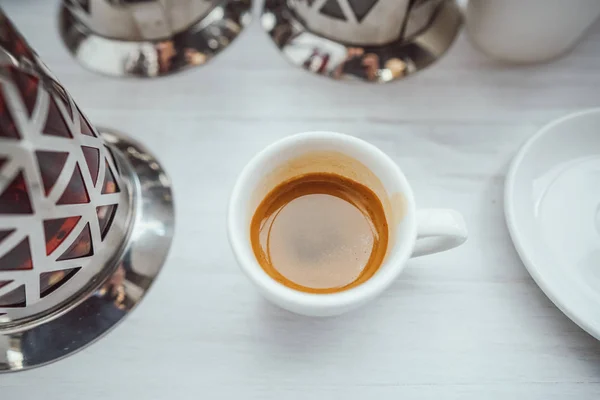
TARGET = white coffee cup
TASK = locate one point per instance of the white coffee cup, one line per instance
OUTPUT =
(412, 232)
(528, 31)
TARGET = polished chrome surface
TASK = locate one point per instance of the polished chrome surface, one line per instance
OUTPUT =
(86, 218)
(86, 319)
(75, 210)
(370, 40)
(133, 20)
(365, 22)
(152, 38)
(88, 245)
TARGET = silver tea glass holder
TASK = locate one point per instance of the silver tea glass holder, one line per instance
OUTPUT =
(149, 38)
(369, 40)
(86, 216)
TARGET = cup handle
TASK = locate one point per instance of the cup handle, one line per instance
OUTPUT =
(439, 229)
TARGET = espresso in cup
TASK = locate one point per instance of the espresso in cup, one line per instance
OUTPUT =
(320, 233)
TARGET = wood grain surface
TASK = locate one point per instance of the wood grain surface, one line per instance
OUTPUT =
(467, 324)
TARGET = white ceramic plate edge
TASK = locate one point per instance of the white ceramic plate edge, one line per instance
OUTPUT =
(515, 235)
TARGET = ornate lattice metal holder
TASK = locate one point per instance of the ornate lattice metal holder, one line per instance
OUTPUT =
(86, 216)
(370, 40)
(149, 38)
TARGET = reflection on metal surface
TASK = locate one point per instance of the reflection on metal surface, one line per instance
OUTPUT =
(369, 40)
(152, 40)
(86, 218)
(73, 326)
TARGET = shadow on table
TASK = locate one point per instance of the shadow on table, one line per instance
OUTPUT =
(308, 339)
(297, 333)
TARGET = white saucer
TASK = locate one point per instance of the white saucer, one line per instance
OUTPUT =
(552, 205)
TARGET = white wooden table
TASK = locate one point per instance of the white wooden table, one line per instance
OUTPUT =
(468, 324)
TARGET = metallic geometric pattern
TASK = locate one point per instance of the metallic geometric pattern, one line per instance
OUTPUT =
(366, 22)
(340, 8)
(86, 217)
(59, 191)
(359, 22)
(332, 9)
